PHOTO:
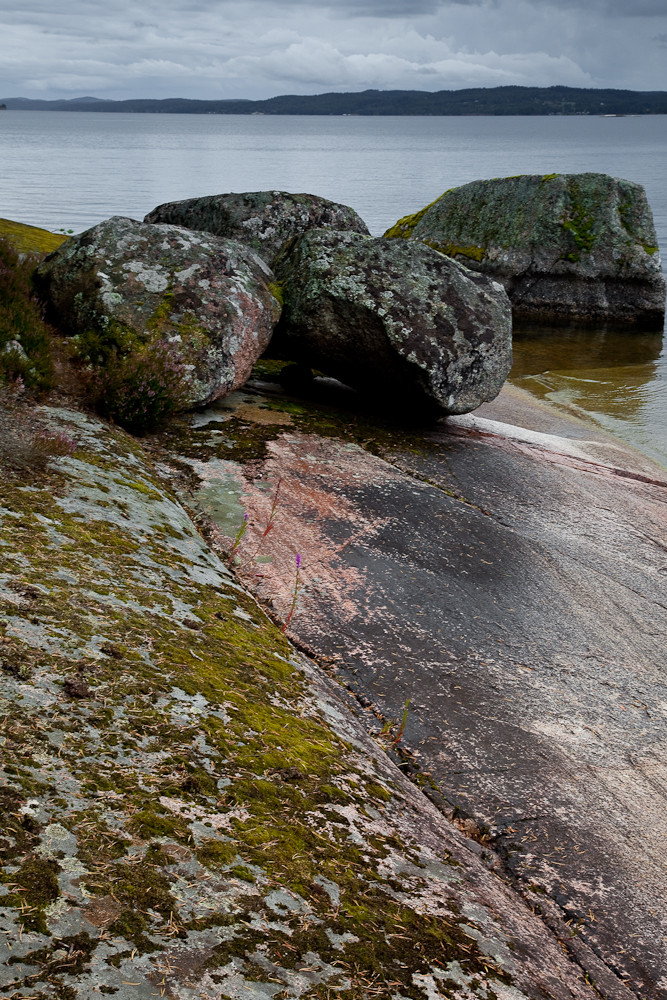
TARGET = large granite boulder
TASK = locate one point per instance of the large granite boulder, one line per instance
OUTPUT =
(261, 219)
(397, 320)
(567, 247)
(124, 284)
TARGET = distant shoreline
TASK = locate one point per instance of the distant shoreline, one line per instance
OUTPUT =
(474, 102)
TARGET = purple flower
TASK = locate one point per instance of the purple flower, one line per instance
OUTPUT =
(298, 561)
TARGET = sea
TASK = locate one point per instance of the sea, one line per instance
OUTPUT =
(67, 171)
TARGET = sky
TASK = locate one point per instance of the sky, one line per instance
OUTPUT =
(221, 49)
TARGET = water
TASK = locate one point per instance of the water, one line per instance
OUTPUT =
(71, 170)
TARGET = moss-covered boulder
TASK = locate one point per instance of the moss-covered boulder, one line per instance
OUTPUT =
(567, 247)
(261, 219)
(397, 320)
(124, 284)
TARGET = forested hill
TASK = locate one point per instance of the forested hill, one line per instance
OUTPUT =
(477, 101)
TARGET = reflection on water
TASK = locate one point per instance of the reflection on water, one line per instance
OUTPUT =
(618, 380)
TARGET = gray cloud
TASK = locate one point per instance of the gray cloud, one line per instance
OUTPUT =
(257, 48)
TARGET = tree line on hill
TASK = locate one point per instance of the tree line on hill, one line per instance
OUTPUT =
(473, 101)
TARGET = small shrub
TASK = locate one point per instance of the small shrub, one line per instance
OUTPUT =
(25, 441)
(145, 388)
(25, 339)
(101, 348)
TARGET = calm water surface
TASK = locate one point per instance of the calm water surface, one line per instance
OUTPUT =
(71, 170)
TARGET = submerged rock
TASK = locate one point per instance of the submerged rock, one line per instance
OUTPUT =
(567, 247)
(397, 320)
(261, 219)
(123, 284)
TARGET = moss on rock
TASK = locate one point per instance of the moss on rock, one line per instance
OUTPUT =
(205, 817)
(30, 239)
(565, 246)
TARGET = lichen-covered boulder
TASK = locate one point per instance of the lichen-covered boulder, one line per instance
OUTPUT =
(567, 247)
(395, 319)
(123, 284)
(261, 219)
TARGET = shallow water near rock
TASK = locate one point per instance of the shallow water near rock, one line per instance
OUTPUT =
(615, 379)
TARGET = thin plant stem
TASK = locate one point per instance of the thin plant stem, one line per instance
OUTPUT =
(401, 729)
(238, 539)
(295, 594)
(272, 517)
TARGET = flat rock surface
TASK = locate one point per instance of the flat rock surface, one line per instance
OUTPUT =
(189, 807)
(511, 584)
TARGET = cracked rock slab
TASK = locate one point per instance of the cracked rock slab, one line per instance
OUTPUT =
(509, 584)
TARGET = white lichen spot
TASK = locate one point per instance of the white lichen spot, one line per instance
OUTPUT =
(187, 272)
(153, 278)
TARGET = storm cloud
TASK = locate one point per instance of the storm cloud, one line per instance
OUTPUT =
(255, 49)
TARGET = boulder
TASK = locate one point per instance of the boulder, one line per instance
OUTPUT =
(395, 319)
(123, 284)
(262, 220)
(567, 247)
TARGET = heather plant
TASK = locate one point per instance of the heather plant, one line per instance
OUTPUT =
(143, 389)
(99, 348)
(25, 339)
(25, 440)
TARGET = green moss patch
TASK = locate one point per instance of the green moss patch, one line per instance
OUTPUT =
(405, 227)
(453, 250)
(30, 239)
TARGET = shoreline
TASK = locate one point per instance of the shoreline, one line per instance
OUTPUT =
(516, 407)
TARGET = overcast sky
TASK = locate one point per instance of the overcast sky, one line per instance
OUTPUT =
(261, 48)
